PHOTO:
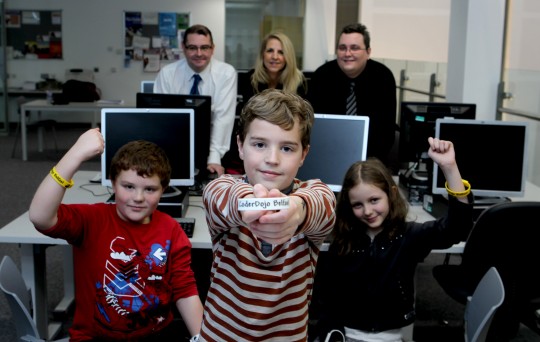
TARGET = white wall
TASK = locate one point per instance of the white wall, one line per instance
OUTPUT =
(93, 37)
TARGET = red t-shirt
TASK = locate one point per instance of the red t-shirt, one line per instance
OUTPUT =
(127, 276)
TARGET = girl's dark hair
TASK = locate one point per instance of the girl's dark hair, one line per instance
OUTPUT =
(374, 172)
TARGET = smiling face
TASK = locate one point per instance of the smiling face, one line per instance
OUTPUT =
(352, 54)
(370, 204)
(136, 197)
(198, 49)
(271, 155)
(273, 57)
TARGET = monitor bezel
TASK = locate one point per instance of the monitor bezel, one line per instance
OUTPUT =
(318, 117)
(182, 182)
(202, 104)
(438, 187)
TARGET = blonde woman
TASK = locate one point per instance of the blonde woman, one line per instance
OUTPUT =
(275, 68)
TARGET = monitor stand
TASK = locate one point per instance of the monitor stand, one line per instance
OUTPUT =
(171, 191)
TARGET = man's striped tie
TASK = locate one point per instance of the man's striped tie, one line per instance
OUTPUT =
(351, 101)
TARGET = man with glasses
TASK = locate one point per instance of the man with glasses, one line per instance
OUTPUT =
(200, 73)
(354, 84)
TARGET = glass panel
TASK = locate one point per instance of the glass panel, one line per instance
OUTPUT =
(248, 21)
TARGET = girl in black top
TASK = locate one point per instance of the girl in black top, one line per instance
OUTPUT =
(365, 283)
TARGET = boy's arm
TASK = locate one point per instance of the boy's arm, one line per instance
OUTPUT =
(320, 203)
(191, 310)
(48, 196)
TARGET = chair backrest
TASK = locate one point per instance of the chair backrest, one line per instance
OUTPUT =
(482, 305)
(503, 236)
(18, 298)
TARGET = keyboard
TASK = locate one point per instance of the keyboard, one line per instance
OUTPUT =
(187, 224)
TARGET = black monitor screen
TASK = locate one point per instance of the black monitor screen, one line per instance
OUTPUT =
(171, 129)
(337, 141)
(495, 166)
(201, 104)
(417, 124)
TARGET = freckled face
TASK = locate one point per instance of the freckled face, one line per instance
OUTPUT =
(136, 197)
(271, 155)
(370, 204)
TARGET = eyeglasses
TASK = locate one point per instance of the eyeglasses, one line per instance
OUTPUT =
(195, 48)
(352, 48)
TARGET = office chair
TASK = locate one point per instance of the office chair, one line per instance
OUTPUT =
(41, 125)
(19, 300)
(502, 237)
(481, 306)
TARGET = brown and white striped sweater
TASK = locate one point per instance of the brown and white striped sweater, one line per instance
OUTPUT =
(253, 297)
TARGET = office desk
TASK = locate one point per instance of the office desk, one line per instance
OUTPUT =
(33, 245)
(42, 105)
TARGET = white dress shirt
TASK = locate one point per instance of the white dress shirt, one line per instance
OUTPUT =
(218, 81)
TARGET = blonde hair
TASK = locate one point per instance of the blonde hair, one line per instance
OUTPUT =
(291, 77)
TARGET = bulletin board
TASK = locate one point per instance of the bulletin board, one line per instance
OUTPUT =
(34, 34)
(152, 37)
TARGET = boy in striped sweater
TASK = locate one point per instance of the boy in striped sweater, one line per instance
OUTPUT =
(267, 227)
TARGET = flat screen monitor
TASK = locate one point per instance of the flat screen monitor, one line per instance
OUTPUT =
(491, 155)
(417, 124)
(171, 129)
(147, 86)
(337, 141)
(202, 105)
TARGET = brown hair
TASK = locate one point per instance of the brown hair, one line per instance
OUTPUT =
(144, 157)
(280, 108)
(198, 29)
(371, 171)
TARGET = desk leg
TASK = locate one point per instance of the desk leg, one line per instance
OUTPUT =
(69, 285)
(40, 135)
(34, 273)
(33, 270)
(23, 133)
(96, 118)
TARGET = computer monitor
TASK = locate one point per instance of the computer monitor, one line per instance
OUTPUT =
(492, 155)
(147, 86)
(417, 124)
(337, 141)
(171, 129)
(202, 105)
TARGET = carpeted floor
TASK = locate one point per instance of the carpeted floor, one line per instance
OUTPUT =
(439, 317)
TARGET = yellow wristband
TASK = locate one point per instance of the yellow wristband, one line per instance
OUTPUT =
(465, 193)
(60, 180)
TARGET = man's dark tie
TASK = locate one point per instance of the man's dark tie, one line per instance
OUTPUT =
(195, 87)
(351, 102)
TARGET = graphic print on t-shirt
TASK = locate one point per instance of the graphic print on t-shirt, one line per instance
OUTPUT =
(129, 295)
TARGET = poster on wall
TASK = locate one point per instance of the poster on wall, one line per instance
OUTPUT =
(33, 34)
(153, 38)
